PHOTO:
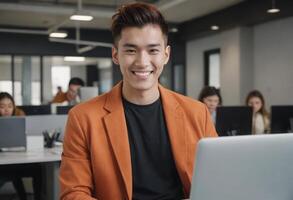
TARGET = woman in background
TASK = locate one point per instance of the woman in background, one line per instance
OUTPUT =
(15, 173)
(261, 119)
(212, 98)
(7, 106)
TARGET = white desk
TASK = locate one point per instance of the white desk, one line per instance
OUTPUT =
(49, 157)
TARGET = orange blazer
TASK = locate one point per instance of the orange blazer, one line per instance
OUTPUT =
(96, 161)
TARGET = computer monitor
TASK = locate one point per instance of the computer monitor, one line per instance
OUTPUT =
(234, 120)
(254, 167)
(12, 133)
(36, 110)
(281, 119)
(63, 110)
(86, 93)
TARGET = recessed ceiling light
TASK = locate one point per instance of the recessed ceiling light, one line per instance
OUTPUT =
(74, 58)
(81, 17)
(173, 30)
(215, 27)
(273, 10)
(58, 34)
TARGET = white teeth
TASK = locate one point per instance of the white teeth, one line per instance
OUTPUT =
(142, 73)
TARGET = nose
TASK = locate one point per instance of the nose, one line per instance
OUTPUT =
(142, 59)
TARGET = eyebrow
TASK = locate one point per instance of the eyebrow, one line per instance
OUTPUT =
(128, 45)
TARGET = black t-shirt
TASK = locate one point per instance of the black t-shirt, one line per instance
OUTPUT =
(154, 173)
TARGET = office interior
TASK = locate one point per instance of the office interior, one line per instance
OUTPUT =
(235, 45)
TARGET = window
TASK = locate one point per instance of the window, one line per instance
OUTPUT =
(60, 77)
(212, 68)
(26, 78)
(5, 74)
(179, 78)
(6, 86)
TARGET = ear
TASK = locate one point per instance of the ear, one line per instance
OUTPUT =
(115, 55)
(167, 54)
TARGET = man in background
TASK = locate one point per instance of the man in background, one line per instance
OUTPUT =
(71, 96)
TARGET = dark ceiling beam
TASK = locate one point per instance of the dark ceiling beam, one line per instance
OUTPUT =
(246, 13)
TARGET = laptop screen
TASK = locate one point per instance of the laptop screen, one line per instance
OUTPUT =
(244, 167)
(12, 132)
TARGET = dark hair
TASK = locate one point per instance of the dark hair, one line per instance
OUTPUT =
(6, 95)
(256, 93)
(76, 81)
(137, 15)
(210, 91)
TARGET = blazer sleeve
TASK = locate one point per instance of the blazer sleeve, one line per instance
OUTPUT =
(210, 130)
(75, 172)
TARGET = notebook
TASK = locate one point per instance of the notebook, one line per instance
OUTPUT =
(12, 133)
(244, 167)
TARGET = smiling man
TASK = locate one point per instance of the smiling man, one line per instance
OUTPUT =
(137, 141)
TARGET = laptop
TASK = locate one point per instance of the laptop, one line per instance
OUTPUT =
(12, 134)
(244, 168)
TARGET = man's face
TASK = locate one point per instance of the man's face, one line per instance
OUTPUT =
(72, 91)
(141, 54)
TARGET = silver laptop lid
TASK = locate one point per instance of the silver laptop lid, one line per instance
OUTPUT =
(12, 132)
(244, 167)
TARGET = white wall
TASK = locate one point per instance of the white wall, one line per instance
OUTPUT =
(232, 66)
(273, 61)
(195, 64)
(258, 57)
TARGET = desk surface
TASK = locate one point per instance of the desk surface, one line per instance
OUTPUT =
(31, 156)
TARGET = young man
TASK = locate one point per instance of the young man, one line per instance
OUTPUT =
(71, 96)
(137, 141)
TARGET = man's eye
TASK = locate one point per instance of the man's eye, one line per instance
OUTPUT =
(130, 51)
(154, 51)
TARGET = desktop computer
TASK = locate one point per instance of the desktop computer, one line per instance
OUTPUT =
(282, 119)
(234, 120)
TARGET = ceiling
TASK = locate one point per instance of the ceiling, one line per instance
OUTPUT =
(49, 13)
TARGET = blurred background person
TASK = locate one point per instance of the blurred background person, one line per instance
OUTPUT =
(7, 106)
(71, 96)
(15, 173)
(261, 118)
(211, 96)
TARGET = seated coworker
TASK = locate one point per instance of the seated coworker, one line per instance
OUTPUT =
(261, 118)
(212, 98)
(71, 96)
(139, 140)
(15, 173)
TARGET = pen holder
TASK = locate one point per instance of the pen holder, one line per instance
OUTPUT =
(50, 138)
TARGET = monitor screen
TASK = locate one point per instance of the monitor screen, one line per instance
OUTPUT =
(63, 110)
(234, 120)
(36, 110)
(87, 93)
(281, 119)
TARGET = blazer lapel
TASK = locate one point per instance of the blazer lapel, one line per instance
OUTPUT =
(177, 134)
(117, 132)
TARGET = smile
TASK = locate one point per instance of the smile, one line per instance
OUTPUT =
(142, 74)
